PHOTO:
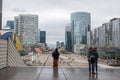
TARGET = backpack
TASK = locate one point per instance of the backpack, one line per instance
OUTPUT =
(92, 58)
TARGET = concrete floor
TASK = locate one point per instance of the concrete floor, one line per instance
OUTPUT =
(61, 73)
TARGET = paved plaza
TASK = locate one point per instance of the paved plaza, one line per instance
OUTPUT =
(71, 67)
(65, 60)
(61, 73)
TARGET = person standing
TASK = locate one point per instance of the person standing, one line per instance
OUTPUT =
(55, 56)
(96, 59)
(89, 61)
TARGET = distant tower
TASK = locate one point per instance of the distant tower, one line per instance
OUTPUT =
(0, 14)
(10, 24)
(68, 41)
(57, 44)
(80, 25)
(42, 36)
(26, 26)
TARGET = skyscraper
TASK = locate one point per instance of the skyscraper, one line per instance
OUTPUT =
(59, 44)
(26, 26)
(16, 24)
(68, 42)
(115, 32)
(80, 25)
(0, 14)
(10, 24)
(42, 37)
(102, 33)
(89, 38)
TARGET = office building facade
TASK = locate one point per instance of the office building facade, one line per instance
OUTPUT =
(16, 24)
(107, 35)
(26, 26)
(102, 35)
(42, 36)
(89, 38)
(96, 37)
(68, 41)
(116, 32)
(59, 44)
(10, 24)
(80, 25)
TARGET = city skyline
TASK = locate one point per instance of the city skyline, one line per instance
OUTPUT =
(55, 14)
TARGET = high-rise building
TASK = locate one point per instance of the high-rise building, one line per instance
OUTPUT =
(115, 32)
(26, 26)
(10, 24)
(89, 38)
(0, 14)
(96, 37)
(59, 44)
(16, 24)
(42, 37)
(80, 25)
(68, 42)
(62, 44)
(103, 35)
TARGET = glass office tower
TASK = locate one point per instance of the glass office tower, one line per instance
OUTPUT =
(68, 42)
(42, 36)
(80, 25)
(10, 24)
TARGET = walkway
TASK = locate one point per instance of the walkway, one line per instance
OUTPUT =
(62, 73)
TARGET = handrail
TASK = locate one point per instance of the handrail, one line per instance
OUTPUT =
(10, 54)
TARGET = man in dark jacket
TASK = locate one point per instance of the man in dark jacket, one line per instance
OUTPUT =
(89, 61)
(55, 56)
(96, 59)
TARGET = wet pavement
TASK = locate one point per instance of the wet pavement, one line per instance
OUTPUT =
(61, 73)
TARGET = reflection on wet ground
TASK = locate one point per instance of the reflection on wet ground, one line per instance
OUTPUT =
(61, 73)
(93, 77)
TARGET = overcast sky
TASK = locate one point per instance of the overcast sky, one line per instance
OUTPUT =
(55, 14)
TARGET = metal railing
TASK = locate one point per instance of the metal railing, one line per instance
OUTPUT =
(9, 56)
(3, 53)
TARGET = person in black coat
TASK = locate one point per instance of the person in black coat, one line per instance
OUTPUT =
(55, 56)
(89, 61)
(96, 59)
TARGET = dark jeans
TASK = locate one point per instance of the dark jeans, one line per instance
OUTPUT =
(96, 65)
(91, 66)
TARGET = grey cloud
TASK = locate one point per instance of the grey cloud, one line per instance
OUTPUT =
(19, 10)
(55, 38)
(98, 6)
